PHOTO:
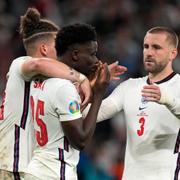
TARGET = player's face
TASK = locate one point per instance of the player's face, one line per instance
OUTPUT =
(157, 52)
(87, 57)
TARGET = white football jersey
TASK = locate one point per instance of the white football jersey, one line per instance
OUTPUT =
(152, 129)
(52, 101)
(15, 125)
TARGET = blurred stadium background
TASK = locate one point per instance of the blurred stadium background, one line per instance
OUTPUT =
(121, 26)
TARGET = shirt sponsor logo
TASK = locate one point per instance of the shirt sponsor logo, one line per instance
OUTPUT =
(74, 107)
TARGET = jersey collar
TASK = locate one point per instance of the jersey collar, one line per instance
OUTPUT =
(163, 80)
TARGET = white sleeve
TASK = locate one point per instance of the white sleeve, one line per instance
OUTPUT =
(111, 105)
(17, 65)
(171, 102)
(67, 102)
(108, 109)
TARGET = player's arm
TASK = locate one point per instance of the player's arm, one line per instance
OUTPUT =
(160, 95)
(171, 102)
(50, 68)
(79, 131)
(111, 105)
(54, 68)
(107, 110)
(115, 71)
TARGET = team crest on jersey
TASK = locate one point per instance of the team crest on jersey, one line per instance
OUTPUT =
(143, 100)
(74, 107)
(143, 104)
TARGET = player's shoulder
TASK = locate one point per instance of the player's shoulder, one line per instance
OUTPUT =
(134, 81)
(20, 60)
(175, 80)
(15, 67)
(58, 83)
(16, 63)
(58, 86)
(177, 77)
(172, 79)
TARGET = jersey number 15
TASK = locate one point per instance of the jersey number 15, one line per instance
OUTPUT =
(41, 136)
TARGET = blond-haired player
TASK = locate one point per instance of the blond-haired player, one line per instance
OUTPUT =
(151, 105)
(15, 121)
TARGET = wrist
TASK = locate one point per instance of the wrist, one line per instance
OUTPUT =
(166, 98)
(82, 77)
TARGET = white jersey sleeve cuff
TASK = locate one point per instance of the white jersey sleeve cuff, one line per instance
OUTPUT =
(172, 103)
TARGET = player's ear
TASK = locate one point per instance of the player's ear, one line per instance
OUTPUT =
(173, 54)
(43, 50)
(75, 53)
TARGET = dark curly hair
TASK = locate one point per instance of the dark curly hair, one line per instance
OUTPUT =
(78, 33)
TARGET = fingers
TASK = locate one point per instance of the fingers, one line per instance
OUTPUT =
(151, 93)
(151, 89)
(86, 100)
(93, 77)
(152, 86)
(104, 72)
(116, 70)
(86, 93)
(117, 67)
(84, 103)
(153, 99)
(121, 69)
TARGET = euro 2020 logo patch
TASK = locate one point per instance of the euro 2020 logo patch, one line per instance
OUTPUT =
(74, 107)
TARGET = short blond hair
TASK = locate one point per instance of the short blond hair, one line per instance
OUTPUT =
(171, 35)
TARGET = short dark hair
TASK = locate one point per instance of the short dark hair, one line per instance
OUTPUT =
(78, 33)
(171, 35)
(31, 24)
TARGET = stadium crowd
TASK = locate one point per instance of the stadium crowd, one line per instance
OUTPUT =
(121, 25)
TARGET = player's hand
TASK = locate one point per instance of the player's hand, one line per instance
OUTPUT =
(101, 78)
(151, 93)
(93, 76)
(85, 93)
(116, 70)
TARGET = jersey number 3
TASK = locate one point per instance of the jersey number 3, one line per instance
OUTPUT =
(140, 132)
(41, 136)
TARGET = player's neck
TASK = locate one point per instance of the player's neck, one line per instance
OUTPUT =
(35, 55)
(156, 77)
